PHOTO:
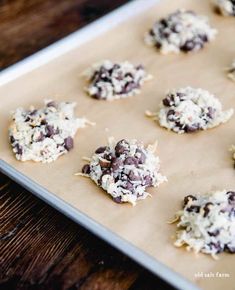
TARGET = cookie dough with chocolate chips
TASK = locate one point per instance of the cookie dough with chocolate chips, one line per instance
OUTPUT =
(42, 135)
(109, 81)
(180, 31)
(125, 169)
(231, 71)
(207, 223)
(225, 7)
(188, 110)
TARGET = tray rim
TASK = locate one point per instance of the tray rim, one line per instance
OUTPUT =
(45, 56)
(142, 258)
(75, 39)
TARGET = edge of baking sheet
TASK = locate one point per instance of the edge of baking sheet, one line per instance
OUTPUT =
(124, 246)
(46, 55)
(75, 39)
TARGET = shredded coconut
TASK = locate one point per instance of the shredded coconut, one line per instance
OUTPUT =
(109, 81)
(207, 223)
(188, 110)
(180, 31)
(225, 7)
(42, 135)
(125, 169)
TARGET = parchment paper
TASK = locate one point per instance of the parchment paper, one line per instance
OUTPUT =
(193, 163)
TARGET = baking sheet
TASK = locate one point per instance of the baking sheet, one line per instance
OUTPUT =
(193, 163)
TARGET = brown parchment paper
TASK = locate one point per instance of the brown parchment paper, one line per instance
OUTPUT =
(193, 163)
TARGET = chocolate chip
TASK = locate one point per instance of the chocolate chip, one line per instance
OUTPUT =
(50, 131)
(12, 139)
(129, 87)
(231, 197)
(142, 158)
(104, 163)
(68, 143)
(27, 119)
(116, 66)
(181, 96)
(133, 177)
(33, 112)
(130, 161)
(211, 112)
(118, 199)
(203, 37)
(232, 70)
(169, 100)
(106, 171)
(121, 147)
(148, 180)
(216, 246)
(86, 169)
(103, 70)
(163, 22)
(105, 78)
(230, 248)
(206, 208)
(166, 33)
(41, 137)
(151, 32)
(103, 75)
(19, 149)
(188, 46)
(214, 234)
(43, 122)
(140, 67)
(158, 45)
(166, 102)
(116, 163)
(232, 212)
(128, 74)
(94, 77)
(193, 208)
(191, 128)
(100, 150)
(189, 198)
(52, 104)
(170, 115)
(108, 156)
(98, 94)
(129, 186)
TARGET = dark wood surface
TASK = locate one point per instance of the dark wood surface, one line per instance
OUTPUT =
(39, 247)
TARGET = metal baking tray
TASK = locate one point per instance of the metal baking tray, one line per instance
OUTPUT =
(202, 161)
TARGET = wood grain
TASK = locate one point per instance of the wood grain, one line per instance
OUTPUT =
(39, 247)
(28, 26)
(42, 249)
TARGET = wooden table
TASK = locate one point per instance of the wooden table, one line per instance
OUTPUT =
(39, 247)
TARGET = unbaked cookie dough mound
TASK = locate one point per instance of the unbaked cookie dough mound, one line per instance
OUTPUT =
(180, 31)
(207, 223)
(231, 71)
(188, 110)
(42, 135)
(225, 7)
(109, 81)
(125, 169)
